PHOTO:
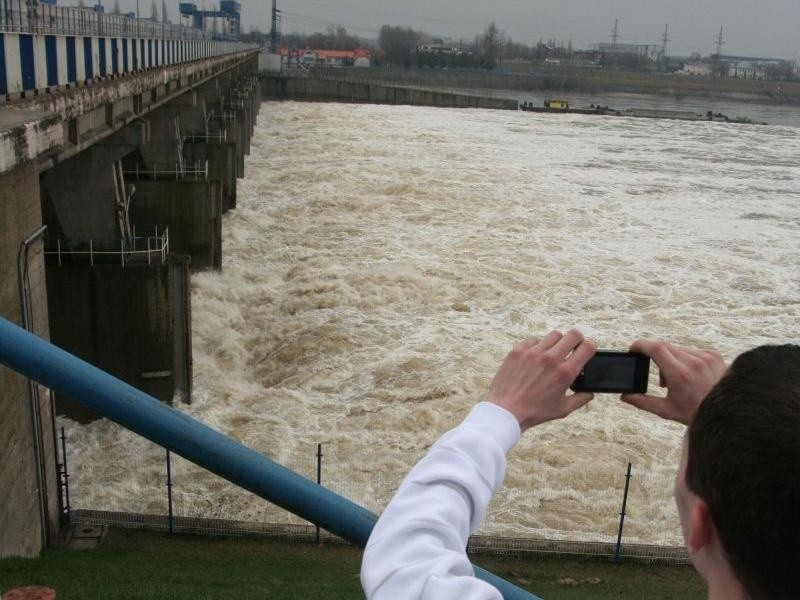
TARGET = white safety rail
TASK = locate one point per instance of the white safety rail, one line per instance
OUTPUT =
(178, 172)
(140, 249)
(206, 137)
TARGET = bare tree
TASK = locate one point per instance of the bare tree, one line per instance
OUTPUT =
(398, 44)
(154, 12)
(490, 45)
(164, 10)
(116, 10)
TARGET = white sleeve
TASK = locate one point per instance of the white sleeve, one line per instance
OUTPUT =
(418, 546)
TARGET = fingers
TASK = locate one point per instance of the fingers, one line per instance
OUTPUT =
(550, 340)
(659, 351)
(567, 343)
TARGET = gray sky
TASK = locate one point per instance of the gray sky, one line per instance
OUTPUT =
(769, 28)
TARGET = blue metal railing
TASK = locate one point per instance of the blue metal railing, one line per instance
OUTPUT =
(58, 370)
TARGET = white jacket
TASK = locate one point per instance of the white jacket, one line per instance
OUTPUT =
(418, 546)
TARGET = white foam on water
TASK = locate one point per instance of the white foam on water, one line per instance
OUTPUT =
(382, 260)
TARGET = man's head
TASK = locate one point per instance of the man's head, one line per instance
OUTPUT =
(742, 472)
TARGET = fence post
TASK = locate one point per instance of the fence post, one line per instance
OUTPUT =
(67, 507)
(169, 493)
(622, 514)
(319, 476)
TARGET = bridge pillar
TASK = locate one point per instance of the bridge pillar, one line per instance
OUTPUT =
(190, 208)
(220, 155)
(132, 321)
(28, 518)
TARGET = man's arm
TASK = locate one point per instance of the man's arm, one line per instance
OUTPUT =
(418, 546)
(687, 373)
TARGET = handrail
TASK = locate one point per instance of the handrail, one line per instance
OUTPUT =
(68, 20)
(178, 432)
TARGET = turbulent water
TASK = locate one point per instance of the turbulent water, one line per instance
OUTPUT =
(382, 260)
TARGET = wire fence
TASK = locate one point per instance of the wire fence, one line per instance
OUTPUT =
(143, 486)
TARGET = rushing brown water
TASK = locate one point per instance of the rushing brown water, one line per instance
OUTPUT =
(383, 260)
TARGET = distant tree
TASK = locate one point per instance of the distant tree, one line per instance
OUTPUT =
(81, 4)
(780, 72)
(399, 44)
(154, 12)
(490, 45)
(164, 10)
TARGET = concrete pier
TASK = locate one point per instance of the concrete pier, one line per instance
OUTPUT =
(98, 310)
(192, 211)
(28, 478)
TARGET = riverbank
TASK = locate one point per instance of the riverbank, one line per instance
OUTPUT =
(563, 79)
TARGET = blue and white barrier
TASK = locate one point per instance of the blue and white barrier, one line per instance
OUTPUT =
(48, 46)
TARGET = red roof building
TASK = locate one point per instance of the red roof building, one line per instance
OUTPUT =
(293, 58)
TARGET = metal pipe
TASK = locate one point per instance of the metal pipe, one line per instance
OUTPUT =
(187, 437)
(33, 396)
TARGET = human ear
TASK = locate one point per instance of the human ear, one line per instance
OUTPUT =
(701, 527)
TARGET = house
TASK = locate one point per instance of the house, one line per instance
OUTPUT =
(696, 68)
(292, 58)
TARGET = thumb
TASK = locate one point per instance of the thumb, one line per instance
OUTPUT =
(576, 401)
(651, 404)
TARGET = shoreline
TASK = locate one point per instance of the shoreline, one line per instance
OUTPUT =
(586, 82)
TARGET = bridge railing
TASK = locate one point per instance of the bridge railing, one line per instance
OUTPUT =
(18, 16)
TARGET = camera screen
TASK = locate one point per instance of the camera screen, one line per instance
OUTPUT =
(610, 372)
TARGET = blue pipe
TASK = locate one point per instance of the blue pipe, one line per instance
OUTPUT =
(133, 409)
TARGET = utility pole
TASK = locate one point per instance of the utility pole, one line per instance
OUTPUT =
(664, 41)
(718, 56)
(273, 36)
(615, 35)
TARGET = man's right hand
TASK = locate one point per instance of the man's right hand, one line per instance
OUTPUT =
(687, 373)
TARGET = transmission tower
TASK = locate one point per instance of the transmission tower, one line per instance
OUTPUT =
(720, 42)
(665, 40)
(718, 55)
(615, 34)
(273, 35)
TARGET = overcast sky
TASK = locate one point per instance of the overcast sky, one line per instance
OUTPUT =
(767, 28)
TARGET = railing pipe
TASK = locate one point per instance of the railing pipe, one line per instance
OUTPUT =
(196, 442)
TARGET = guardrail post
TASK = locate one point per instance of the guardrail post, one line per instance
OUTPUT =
(65, 515)
(169, 493)
(622, 515)
(319, 476)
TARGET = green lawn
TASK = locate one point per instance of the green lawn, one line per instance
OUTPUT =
(139, 564)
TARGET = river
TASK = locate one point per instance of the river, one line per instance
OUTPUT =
(383, 259)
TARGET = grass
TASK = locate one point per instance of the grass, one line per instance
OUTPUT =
(140, 564)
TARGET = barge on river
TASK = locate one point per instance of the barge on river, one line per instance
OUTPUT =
(562, 107)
